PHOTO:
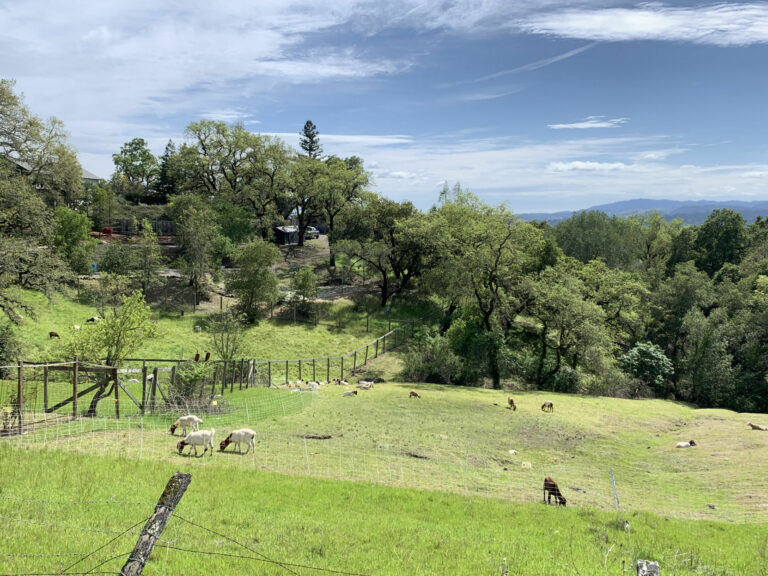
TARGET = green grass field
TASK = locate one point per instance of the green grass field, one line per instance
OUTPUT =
(383, 484)
(420, 486)
(342, 329)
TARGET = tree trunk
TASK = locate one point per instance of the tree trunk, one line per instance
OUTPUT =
(447, 318)
(542, 355)
(100, 393)
(493, 361)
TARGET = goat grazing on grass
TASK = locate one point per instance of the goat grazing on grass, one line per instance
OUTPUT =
(547, 407)
(199, 438)
(188, 421)
(551, 489)
(414, 395)
(53, 335)
(93, 319)
(685, 444)
(511, 402)
(350, 393)
(244, 435)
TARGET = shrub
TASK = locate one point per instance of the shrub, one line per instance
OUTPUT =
(429, 358)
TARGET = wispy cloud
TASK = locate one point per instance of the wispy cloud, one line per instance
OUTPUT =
(527, 67)
(724, 24)
(591, 122)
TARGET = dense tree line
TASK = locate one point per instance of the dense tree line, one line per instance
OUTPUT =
(633, 306)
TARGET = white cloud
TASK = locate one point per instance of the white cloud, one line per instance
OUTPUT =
(591, 122)
(725, 24)
(579, 165)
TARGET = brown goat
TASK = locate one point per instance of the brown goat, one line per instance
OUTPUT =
(551, 489)
(53, 335)
(414, 395)
(511, 402)
(547, 407)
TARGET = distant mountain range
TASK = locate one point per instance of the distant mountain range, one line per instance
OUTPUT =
(691, 212)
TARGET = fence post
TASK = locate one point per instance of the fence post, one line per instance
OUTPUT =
(153, 392)
(117, 394)
(173, 380)
(365, 362)
(299, 369)
(240, 375)
(286, 372)
(20, 397)
(143, 387)
(74, 387)
(232, 380)
(376, 355)
(269, 373)
(342, 368)
(155, 525)
(354, 362)
(314, 377)
(328, 370)
(45, 388)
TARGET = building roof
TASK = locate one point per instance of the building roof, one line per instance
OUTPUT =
(90, 175)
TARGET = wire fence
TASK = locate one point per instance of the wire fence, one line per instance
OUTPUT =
(52, 390)
(183, 536)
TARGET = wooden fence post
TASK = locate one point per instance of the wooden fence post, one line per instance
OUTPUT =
(365, 362)
(354, 362)
(232, 381)
(20, 397)
(376, 355)
(173, 379)
(45, 388)
(74, 388)
(143, 387)
(314, 377)
(153, 392)
(269, 373)
(328, 370)
(286, 372)
(155, 525)
(117, 394)
(342, 368)
(299, 369)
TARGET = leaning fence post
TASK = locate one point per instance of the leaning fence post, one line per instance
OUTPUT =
(155, 525)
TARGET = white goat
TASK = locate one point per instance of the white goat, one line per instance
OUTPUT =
(237, 437)
(199, 438)
(685, 444)
(188, 421)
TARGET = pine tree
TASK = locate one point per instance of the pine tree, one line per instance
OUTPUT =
(310, 140)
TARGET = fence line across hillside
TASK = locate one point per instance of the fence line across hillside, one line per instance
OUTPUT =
(51, 390)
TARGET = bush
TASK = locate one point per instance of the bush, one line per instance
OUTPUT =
(429, 358)
(191, 380)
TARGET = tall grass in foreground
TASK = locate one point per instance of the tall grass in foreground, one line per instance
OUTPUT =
(58, 506)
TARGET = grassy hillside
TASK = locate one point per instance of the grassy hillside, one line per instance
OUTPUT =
(58, 507)
(342, 330)
(458, 440)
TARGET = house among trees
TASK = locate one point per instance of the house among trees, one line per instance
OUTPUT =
(287, 235)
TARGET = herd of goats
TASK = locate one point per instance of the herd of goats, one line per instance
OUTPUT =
(204, 438)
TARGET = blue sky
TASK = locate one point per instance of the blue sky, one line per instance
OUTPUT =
(546, 105)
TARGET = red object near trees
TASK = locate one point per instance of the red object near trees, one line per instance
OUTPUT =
(107, 230)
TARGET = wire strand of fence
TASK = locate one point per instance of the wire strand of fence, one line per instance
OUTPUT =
(123, 533)
(263, 557)
(286, 565)
(76, 502)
